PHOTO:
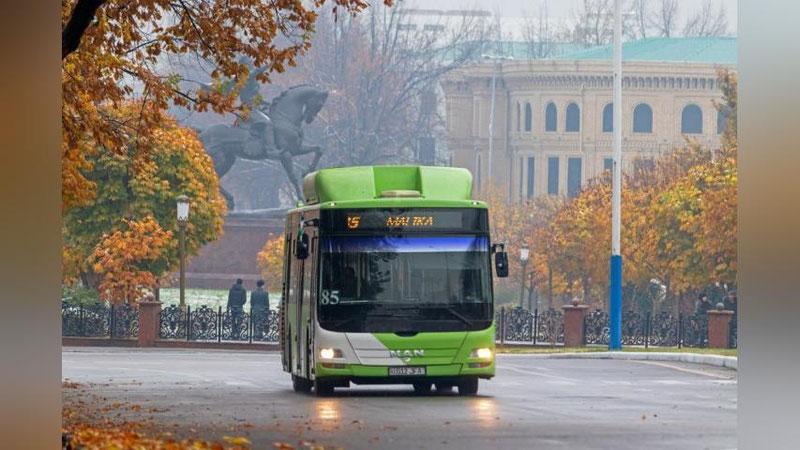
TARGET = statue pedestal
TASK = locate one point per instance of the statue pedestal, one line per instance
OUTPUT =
(233, 255)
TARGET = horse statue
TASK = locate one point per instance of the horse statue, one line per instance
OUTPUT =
(273, 131)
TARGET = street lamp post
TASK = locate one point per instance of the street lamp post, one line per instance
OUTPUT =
(532, 290)
(524, 253)
(183, 217)
(615, 294)
(494, 58)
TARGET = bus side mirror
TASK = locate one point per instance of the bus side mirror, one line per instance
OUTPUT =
(301, 247)
(501, 264)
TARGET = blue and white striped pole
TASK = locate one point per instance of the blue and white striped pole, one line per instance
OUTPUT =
(615, 297)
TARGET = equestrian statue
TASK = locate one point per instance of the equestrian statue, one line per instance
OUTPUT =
(273, 131)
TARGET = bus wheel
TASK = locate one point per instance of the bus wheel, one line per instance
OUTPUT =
(323, 388)
(422, 388)
(301, 384)
(444, 387)
(468, 386)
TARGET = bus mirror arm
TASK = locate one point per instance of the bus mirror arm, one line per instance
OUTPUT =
(301, 248)
(500, 260)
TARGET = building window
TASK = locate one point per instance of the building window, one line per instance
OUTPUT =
(573, 176)
(550, 117)
(433, 27)
(407, 27)
(573, 118)
(722, 118)
(531, 179)
(643, 118)
(608, 118)
(608, 164)
(692, 120)
(552, 175)
(519, 118)
(521, 175)
(528, 118)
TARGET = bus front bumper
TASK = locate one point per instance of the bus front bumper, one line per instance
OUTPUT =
(363, 374)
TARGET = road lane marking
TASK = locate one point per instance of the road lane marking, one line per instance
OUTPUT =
(682, 369)
(533, 372)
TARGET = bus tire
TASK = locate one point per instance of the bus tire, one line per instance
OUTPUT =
(468, 386)
(300, 384)
(422, 388)
(323, 388)
(444, 387)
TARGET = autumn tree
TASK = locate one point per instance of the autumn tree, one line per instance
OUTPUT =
(121, 259)
(270, 261)
(118, 50)
(136, 194)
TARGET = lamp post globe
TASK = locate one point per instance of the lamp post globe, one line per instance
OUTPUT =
(524, 254)
(183, 208)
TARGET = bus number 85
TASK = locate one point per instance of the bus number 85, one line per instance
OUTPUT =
(330, 297)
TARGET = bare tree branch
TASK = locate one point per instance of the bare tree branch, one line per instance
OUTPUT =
(664, 18)
(707, 22)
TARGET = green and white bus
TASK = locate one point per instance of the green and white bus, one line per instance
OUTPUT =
(388, 280)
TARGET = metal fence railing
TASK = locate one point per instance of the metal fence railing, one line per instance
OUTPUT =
(519, 325)
(100, 320)
(646, 329)
(662, 329)
(221, 325)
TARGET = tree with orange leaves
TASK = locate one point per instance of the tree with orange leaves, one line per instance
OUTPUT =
(141, 188)
(119, 259)
(118, 50)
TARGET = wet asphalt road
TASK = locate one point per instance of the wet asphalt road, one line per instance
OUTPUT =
(533, 402)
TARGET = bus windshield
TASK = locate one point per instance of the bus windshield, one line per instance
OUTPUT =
(405, 284)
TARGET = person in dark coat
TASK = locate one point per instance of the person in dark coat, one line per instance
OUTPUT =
(237, 296)
(703, 305)
(730, 302)
(259, 298)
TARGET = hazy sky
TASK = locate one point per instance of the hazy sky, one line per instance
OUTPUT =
(564, 8)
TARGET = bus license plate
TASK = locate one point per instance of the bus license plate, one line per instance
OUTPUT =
(406, 371)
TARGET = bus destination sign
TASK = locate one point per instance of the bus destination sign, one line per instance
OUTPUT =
(406, 220)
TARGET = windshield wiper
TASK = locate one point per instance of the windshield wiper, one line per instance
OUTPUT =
(457, 314)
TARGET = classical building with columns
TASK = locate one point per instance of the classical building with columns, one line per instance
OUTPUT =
(552, 127)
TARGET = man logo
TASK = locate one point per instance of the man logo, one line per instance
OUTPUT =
(406, 355)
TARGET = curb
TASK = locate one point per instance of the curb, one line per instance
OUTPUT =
(729, 362)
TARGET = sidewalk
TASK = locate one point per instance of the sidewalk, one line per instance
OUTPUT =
(729, 362)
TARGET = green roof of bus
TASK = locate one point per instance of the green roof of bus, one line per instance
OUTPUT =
(370, 186)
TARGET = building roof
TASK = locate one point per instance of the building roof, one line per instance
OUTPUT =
(530, 50)
(713, 50)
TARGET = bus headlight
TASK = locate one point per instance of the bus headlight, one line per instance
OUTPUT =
(330, 353)
(481, 353)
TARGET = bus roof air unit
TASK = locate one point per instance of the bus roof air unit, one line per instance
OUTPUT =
(387, 182)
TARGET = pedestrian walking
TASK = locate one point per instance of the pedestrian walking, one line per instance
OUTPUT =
(237, 296)
(259, 311)
(703, 304)
(259, 298)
